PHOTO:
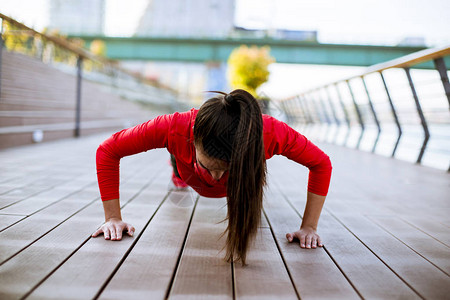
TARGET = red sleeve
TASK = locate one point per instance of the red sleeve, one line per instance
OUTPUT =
(149, 135)
(282, 139)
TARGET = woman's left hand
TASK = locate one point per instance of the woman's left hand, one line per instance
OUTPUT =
(307, 236)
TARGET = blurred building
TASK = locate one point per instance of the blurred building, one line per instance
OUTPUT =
(84, 17)
(187, 18)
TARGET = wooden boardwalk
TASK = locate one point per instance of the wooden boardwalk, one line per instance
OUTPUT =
(385, 228)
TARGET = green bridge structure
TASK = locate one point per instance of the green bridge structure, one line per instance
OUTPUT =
(218, 50)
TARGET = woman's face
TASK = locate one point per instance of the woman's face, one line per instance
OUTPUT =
(215, 167)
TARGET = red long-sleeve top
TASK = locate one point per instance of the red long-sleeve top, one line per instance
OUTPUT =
(175, 132)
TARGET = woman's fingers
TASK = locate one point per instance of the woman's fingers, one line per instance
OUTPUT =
(314, 242)
(106, 233)
(119, 233)
(289, 237)
(113, 234)
(319, 242)
(308, 241)
(302, 241)
(130, 230)
(95, 234)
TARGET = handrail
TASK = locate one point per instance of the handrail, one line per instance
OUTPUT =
(83, 53)
(60, 42)
(80, 65)
(406, 61)
(410, 59)
(362, 108)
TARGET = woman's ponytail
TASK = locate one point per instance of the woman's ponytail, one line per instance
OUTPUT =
(230, 128)
(247, 177)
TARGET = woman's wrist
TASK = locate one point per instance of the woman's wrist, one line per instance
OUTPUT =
(311, 226)
(112, 210)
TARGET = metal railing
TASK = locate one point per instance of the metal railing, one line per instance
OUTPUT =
(390, 108)
(70, 57)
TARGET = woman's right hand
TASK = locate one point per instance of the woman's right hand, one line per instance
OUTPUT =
(113, 228)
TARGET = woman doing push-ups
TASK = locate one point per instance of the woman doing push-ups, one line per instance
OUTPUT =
(219, 150)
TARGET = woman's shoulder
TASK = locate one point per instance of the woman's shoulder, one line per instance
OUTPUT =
(270, 124)
(183, 120)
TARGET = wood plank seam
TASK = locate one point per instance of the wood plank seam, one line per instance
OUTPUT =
(379, 225)
(233, 280)
(12, 256)
(10, 225)
(39, 192)
(78, 248)
(376, 255)
(324, 247)
(169, 287)
(144, 187)
(56, 268)
(285, 197)
(122, 260)
(26, 216)
(425, 232)
(281, 255)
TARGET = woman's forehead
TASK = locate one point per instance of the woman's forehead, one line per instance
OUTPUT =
(210, 163)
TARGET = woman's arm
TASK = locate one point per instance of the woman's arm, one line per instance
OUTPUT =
(282, 139)
(143, 137)
(113, 226)
(307, 234)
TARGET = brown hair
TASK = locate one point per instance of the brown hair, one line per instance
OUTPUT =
(230, 128)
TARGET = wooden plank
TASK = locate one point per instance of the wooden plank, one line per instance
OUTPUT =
(202, 272)
(423, 277)
(370, 276)
(147, 271)
(17, 195)
(313, 272)
(22, 234)
(340, 208)
(28, 268)
(438, 231)
(432, 250)
(40, 201)
(8, 220)
(84, 272)
(265, 276)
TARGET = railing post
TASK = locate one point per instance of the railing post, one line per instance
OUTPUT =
(78, 96)
(306, 118)
(299, 113)
(297, 117)
(311, 122)
(309, 119)
(373, 113)
(325, 113)
(347, 119)
(422, 117)
(292, 111)
(284, 107)
(316, 112)
(442, 69)
(360, 119)
(394, 113)
(338, 123)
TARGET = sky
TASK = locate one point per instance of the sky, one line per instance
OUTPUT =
(384, 22)
(368, 21)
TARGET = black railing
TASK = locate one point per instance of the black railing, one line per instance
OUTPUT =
(385, 110)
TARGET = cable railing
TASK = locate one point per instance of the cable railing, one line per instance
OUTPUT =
(391, 109)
